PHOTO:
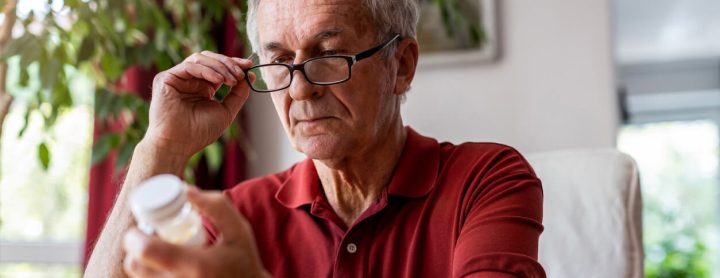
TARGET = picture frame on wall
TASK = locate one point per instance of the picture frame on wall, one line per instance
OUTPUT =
(458, 32)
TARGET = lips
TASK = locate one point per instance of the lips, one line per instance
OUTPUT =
(315, 119)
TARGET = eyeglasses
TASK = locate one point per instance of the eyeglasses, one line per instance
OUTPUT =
(325, 70)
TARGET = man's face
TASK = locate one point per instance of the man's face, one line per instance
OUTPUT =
(336, 121)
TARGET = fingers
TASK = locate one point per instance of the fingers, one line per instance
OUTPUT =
(203, 73)
(231, 225)
(219, 63)
(133, 268)
(133, 265)
(191, 86)
(235, 65)
(213, 67)
(146, 254)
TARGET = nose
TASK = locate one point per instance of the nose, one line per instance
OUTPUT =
(301, 89)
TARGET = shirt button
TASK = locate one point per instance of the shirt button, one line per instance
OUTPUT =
(352, 248)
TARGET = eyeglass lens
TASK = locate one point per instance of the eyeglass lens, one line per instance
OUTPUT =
(325, 70)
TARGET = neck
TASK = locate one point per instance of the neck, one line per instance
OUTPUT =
(355, 183)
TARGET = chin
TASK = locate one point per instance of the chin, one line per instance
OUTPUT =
(322, 147)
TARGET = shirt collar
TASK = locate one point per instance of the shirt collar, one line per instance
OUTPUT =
(302, 187)
(414, 175)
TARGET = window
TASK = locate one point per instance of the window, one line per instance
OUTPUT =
(680, 179)
(42, 212)
(668, 56)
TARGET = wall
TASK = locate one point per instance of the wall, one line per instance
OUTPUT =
(552, 88)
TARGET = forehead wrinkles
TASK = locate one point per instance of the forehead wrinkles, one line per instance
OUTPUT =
(302, 19)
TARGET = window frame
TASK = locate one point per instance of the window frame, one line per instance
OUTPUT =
(41, 252)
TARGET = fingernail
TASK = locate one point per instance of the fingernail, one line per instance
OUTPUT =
(237, 70)
(243, 61)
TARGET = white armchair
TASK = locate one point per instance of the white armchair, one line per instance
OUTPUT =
(592, 214)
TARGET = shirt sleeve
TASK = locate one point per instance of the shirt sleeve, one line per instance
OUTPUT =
(503, 219)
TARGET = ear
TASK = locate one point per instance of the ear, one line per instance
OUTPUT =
(406, 54)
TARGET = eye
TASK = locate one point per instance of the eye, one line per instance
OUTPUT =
(282, 60)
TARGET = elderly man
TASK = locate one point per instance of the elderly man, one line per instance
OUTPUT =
(372, 199)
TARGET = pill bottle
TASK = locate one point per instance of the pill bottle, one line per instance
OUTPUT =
(160, 206)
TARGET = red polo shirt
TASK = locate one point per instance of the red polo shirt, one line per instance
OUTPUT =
(449, 211)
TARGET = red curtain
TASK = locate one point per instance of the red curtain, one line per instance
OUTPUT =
(105, 182)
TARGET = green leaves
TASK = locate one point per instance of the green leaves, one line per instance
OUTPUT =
(126, 151)
(49, 72)
(103, 146)
(214, 157)
(24, 77)
(447, 15)
(26, 119)
(44, 155)
(29, 53)
(222, 92)
(87, 49)
(104, 39)
(461, 22)
(111, 65)
(18, 46)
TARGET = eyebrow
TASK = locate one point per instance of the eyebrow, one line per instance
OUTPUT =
(322, 35)
(329, 33)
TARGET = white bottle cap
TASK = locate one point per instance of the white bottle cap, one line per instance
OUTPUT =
(158, 199)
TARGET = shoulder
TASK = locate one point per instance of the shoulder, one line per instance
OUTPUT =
(489, 176)
(486, 173)
(485, 157)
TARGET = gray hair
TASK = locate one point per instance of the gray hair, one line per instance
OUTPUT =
(390, 17)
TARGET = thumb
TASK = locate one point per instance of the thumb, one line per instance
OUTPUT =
(238, 94)
(216, 207)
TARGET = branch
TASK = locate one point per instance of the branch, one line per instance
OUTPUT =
(6, 29)
(5, 34)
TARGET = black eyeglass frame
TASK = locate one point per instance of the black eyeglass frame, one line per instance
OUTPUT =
(350, 59)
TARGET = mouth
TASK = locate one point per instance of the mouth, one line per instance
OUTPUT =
(313, 120)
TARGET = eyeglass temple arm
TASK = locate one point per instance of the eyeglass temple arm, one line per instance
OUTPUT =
(371, 51)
